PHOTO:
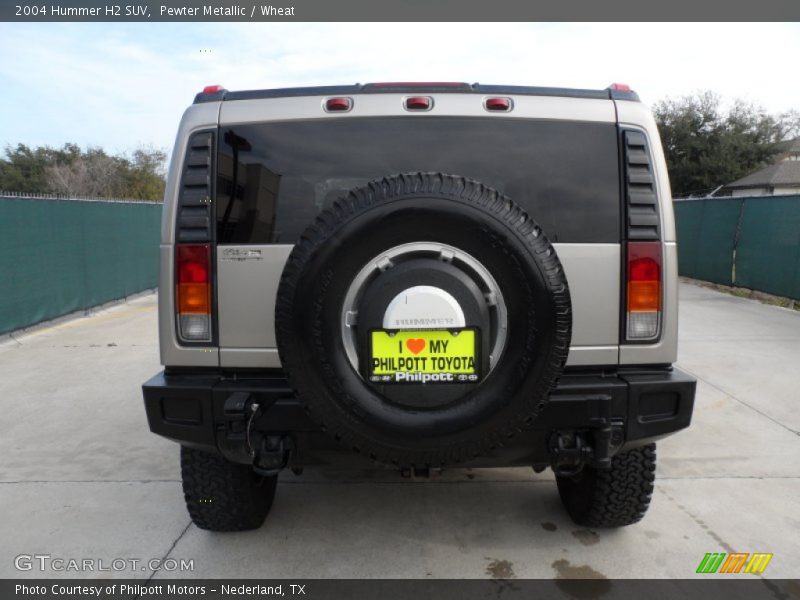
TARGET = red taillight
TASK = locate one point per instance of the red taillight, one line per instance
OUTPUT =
(338, 104)
(644, 290)
(620, 87)
(497, 104)
(193, 263)
(213, 89)
(193, 291)
(644, 269)
(418, 103)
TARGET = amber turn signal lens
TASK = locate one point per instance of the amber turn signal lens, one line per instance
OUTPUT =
(194, 298)
(644, 296)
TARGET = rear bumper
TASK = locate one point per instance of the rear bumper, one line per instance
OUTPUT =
(200, 409)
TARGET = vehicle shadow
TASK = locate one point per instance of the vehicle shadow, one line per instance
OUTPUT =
(496, 523)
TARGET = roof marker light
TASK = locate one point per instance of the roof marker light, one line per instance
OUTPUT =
(497, 104)
(340, 104)
(213, 89)
(418, 103)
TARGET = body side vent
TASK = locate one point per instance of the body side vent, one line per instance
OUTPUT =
(194, 202)
(641, 199)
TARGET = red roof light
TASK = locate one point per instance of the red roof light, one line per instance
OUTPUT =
(418, 103)
(342, 104)
(620, 87)
(422, 84)
(213, 89)
(498, 104)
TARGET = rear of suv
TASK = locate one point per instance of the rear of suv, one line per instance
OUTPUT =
(418, 276)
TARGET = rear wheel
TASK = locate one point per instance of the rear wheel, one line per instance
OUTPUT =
(611, 497)
(224, 496)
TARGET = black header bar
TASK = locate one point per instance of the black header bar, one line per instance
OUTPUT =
(400, 11)
(745, 587)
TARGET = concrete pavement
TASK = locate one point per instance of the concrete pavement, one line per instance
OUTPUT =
(82, 477)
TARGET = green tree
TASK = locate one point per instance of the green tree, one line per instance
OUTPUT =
(707, 146)
(143, 173)
(73, 172)
(24, 169)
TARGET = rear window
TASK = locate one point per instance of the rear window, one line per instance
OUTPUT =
(565, 174)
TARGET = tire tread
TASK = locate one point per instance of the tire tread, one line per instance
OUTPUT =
(612, 497)
(224, 496)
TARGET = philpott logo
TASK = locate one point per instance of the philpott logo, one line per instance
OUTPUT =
(736, 562)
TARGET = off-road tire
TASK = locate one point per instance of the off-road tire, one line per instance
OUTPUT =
(612, 497)
(224, 496)
(433, 207)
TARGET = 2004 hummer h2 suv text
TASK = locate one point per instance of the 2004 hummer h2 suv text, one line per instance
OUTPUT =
(418, 276)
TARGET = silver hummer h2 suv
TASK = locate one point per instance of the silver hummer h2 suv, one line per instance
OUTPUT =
(414, 276)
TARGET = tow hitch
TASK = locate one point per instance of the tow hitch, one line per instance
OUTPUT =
(273, 454)
(570, 451)
(240, 442)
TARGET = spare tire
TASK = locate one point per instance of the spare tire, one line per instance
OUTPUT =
(500, 244)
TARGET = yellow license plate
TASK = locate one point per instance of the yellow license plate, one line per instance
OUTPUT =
(429, 356)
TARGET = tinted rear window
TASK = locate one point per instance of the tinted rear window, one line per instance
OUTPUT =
(565, 174)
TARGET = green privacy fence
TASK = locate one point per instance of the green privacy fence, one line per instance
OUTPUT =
(61, 256)
(751, 242)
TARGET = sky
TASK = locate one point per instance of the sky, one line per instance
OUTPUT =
(118, 86)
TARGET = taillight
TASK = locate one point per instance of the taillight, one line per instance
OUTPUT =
(645, 278)
(193, 291)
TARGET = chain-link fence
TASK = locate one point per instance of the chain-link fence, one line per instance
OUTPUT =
(49, 196)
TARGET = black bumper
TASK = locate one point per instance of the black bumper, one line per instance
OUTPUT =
(206, 410)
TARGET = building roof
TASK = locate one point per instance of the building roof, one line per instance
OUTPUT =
(785, 173)
(790, 147)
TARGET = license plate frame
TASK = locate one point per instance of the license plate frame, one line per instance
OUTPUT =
(435, 363)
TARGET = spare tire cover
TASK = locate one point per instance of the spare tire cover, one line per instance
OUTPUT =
(402, 209)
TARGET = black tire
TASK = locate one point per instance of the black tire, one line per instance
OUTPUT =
(224, 496)
(612, 497)
(409, 208)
